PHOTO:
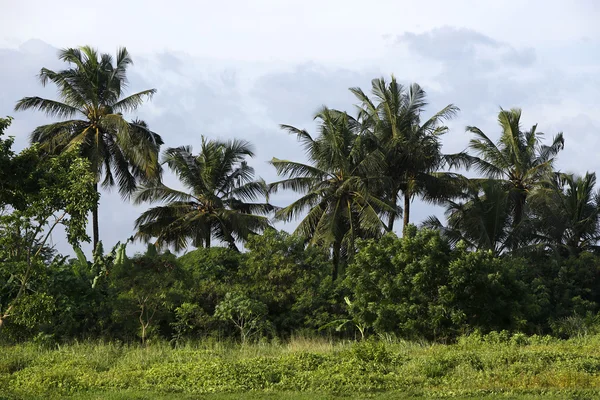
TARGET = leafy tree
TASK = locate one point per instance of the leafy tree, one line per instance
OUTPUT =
(412, 148)
(487, 293)
(149, 287)
(292, 279)
(394, 284)
(18, 177)
(52, 192)
(119, 152)
(519, 160)
(248, 315)
(190, 318)
(7, 167)
(337, 187)
(418, 286)
(220, 185)
(210, 273)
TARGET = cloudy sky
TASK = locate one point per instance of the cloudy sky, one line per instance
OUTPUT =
(240, 68)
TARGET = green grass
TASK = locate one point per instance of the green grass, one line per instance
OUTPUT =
(128, 395)
(496, 366)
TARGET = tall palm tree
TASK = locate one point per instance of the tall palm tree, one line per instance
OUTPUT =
(518, 159)
(91, 103)
(336, 186)
(412, 149)
(566, 213)
(219, 186)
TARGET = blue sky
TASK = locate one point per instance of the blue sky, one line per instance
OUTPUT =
(240, 68)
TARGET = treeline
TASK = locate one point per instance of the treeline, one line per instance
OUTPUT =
(417, 287)
(516, 252)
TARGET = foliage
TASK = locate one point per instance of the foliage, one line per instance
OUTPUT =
(82, 293)
(517, 254)
(566, 213)
(535, 366)
(480, 218)
(92, 89)
(519, 161)
(190, 319)
(8, 172)
(411, 148)
(418, 286)
(221, 188)
(290, 278)
(148, 287)
(248, 315)
(337, 197)
(395, 284)
(52, 191)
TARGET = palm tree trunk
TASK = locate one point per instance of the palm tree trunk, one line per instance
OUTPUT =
(95, 229)
(390, 226)
(392, 217)
(406, 212)
(519, 207)
(207, 241)
(518, 216)
(336, 261)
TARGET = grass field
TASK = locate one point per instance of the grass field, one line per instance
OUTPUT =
(495, 366)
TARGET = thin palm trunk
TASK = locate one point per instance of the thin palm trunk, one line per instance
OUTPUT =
(92, 88)
(519, 209)
(391, 220)
(392, 217)
(518, 216)
(95, 228)
(336, 261)
(406, 213)
(207, 242)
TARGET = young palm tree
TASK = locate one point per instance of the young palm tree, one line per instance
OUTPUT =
(336, 187)
(91, 103)
(219, 185)
(481, 218)
(412, 149)
(519, 159)
(566, 213)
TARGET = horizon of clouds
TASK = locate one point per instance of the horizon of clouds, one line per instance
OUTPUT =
(227, 92)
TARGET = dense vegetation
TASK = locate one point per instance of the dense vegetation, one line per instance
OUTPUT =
(517, 252)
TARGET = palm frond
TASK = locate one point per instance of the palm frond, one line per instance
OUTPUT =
(49, 107)
(133, 101)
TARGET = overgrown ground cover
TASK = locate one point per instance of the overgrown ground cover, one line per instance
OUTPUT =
(495, 365)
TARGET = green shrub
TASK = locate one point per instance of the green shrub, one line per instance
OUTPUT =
(248, 315)
(418, 286)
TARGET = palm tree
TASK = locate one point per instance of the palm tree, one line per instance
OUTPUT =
(481, 217)
(90, 106)
(412, 149)
(219, 185)
(566, 213)
(336, 186)
(519, 159)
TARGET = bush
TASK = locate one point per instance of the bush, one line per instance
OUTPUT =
(293, 280)
(418, 286)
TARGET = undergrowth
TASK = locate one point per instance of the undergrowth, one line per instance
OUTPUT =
(479, 366)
